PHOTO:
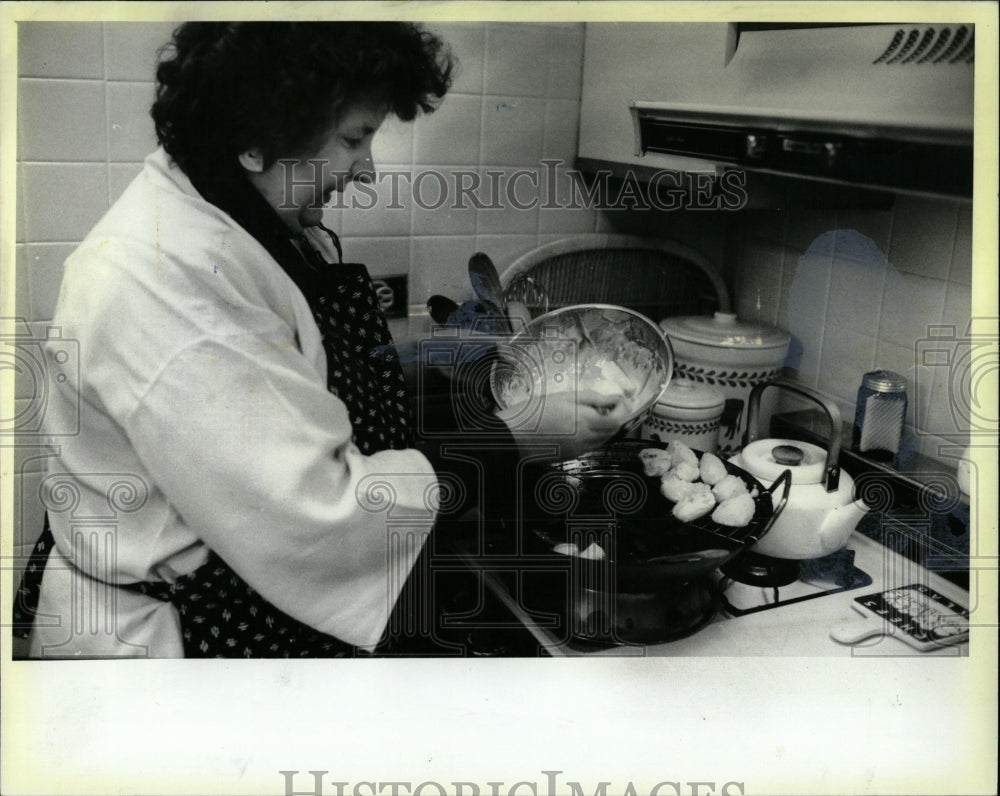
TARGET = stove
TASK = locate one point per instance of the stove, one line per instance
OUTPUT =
(759, 583)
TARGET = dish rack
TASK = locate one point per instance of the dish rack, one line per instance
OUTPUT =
(656, 277)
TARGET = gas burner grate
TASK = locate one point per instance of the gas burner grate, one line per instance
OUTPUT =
(818, 577)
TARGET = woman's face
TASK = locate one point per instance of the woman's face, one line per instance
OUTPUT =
(298, 187)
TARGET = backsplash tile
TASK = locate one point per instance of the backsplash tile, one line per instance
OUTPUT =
(61, 120)
(565, 56)
(807, 223)
(60, 49)
(875, 225)
(131, 47)
(130, 130)
(911, 303)
(562, 122)
(445, 201)
(923, 236)
(383, 256)
(846, 356)
(120, 175)
(468, 44)
(513, 130)
(512, 202)
(45, 262)
(961, 255)
(566, 221)
(856, 287)
(760, 281)
(379, 208)
(62, 201)
(891, 276)
(957, 307)
(515, 55)
(22, 296)
(503, 250)
(440, 264)
(19, 233)
(393, 144)
(451, 134)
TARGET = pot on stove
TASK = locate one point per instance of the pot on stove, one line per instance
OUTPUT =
(821, 512)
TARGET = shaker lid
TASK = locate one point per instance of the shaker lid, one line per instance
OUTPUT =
(884, 381)
(725, 330)
(688, 394)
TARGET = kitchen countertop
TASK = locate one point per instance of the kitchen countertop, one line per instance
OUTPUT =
(800, 629)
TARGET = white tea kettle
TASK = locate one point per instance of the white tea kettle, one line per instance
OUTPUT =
(821, 512)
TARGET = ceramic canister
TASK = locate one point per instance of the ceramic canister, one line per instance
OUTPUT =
(731, 355)
(687, 411)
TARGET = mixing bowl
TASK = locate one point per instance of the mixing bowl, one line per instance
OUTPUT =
(595, 347)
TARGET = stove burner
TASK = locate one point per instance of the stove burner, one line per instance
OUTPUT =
(757, 570)
(749, 588)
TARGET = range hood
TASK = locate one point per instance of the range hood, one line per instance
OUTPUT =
(882, 106)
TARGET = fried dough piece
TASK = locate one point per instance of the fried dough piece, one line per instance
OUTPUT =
(698, 503)
(686, 471)
(655, 461)
(679, 452)
(729, 486)
(712, 469)
(735, 512)
(675, 488)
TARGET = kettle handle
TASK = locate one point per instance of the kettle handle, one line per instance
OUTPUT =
(831, 469)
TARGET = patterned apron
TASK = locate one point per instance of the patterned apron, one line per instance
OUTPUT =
(220, 614)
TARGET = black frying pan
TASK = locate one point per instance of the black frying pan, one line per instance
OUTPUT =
(605, 497)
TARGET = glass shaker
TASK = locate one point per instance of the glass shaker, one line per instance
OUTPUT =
(880, 413)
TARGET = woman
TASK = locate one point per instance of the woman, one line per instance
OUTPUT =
(238, 377)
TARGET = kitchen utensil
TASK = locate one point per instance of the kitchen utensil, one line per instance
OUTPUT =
(526, 291)
(441, 308)
(916, 614)
(880, 413)
(546, 351)
(731, 355)
(486, 284)
(604, 497)
(821, 513)
(688, 411)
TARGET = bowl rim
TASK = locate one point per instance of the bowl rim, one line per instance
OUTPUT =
(645, 409)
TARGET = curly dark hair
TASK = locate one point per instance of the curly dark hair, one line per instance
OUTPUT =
(223, 87)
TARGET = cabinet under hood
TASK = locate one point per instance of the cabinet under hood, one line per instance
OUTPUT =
(883, 106)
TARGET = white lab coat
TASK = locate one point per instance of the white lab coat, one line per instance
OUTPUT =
(205, 420)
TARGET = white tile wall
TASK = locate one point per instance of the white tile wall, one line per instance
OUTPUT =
(130, 49)
(62, 201)
(61, 120)
(60, 49)
(468, 44)
(130, 130)
(517, 58)
(861, 288)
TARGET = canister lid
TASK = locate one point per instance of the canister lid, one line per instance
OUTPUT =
(884, 381)
(724, 329)
(688, 394)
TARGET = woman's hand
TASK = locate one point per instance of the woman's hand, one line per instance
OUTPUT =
(575, 421)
